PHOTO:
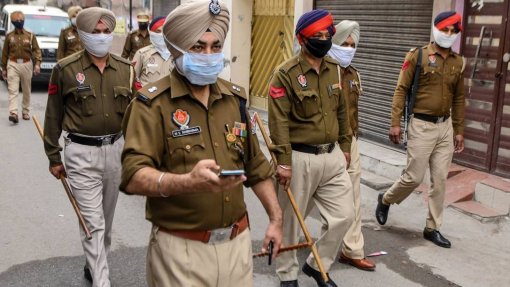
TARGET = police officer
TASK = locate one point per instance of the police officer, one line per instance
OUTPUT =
(309, 127)
(88, 94)
(437, 126)
(69, 41)
(20, 47)
(345, 42)
(181, 131)
(138, 38)
(154, 61)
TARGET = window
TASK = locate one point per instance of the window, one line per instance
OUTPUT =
(45, 25)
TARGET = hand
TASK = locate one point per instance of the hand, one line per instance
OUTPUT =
(284, 175)
(58, 171)
(459, 143)
(273, 232)
(37, 69)
(395, 134)
(347, 159)
(204, 177)
(4, 75)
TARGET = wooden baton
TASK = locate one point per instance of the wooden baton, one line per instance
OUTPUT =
(67, 189)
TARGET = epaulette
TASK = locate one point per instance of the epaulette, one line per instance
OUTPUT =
(233, 88)
(354, 68)
(146, 49)
(329, 59)
(133, 32)
(70, 59)
(289, 64)
(152, 90)
(120, 59)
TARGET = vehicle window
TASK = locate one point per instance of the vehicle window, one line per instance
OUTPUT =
(45, 25)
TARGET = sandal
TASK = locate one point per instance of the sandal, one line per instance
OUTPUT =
(13, 118)
(26, 117)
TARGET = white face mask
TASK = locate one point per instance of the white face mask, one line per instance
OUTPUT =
(96, 44)
(158, 41)
(73, 21)
(342, 55)
(443, 40)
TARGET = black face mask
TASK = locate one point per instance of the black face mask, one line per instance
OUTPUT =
(318, 48)
(143, 26)
(18, 24)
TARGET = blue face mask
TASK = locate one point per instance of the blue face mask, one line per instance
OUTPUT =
(201, 69)
(18, 24)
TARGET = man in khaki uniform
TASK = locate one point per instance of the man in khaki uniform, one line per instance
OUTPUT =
(153, 62)
(69, 41)
(138, 38)
(436, 127)
(181, 131)
(20, 47)
(88, 94)
(345, 42)
(309, 127)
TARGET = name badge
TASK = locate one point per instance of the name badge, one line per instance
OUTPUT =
(186, 132)
(71, 37)
(82, 88)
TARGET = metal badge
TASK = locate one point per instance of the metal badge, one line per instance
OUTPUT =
(152, 89)
(432, 59)
(181, 118)
(80, 77)
(302, 81)
(214, 7)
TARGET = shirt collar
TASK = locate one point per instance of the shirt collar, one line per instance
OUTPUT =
(180, 87)
(86, 61)
(305, 66)
(432, 51)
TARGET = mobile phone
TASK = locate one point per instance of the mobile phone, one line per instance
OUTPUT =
(228, 172)
(270, 251)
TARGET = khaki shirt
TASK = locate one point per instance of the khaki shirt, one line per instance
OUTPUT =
(81, 100)
(351, 89)
(440, 88)
(68, 43)
(20, 44)
(149, 66)
(306, 107)
(166, 128)
(135, 41)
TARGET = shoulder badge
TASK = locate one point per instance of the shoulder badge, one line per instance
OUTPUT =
(151, 91)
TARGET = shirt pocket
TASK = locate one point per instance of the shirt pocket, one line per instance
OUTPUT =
(86, 100)
(307, 103)
(185, 152)
(122, 98)
(453, 75)
(152, 69)
(430, 75)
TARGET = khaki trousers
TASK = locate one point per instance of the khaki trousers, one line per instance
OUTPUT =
(175, 261)
(321, 180)
(94, 175)
(16, 74)
(429, 144)
(353, 239)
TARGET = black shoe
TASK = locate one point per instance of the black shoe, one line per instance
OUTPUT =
(13, 118)
(381, 212)
(292, 283)
(317, 276)
(436, 237)
(87, 274)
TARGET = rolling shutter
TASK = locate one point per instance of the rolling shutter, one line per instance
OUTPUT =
(389, 28)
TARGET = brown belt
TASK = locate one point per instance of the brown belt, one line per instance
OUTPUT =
(15, 60)
(212, 236)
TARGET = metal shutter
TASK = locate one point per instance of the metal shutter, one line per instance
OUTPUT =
(163, 8)
(389, 28)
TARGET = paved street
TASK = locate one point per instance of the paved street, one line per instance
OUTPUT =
(39, 243)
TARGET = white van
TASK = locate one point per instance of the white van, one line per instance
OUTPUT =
(46, 23)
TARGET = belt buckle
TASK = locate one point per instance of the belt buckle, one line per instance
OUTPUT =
(106, 140)
(20, 60)
(220, 235)
(440, 119)
(322, 148)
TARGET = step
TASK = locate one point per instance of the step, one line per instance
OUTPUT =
(478, 211)
(381, 160)
(375, 181)
(494, 192)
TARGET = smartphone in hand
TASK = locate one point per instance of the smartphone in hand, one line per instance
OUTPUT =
(229, 172)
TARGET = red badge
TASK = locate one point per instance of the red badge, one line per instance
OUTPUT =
(52, 89)
(276, 93)
(80, 77)
(181, 118)
(302, 81)
(405, 65)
